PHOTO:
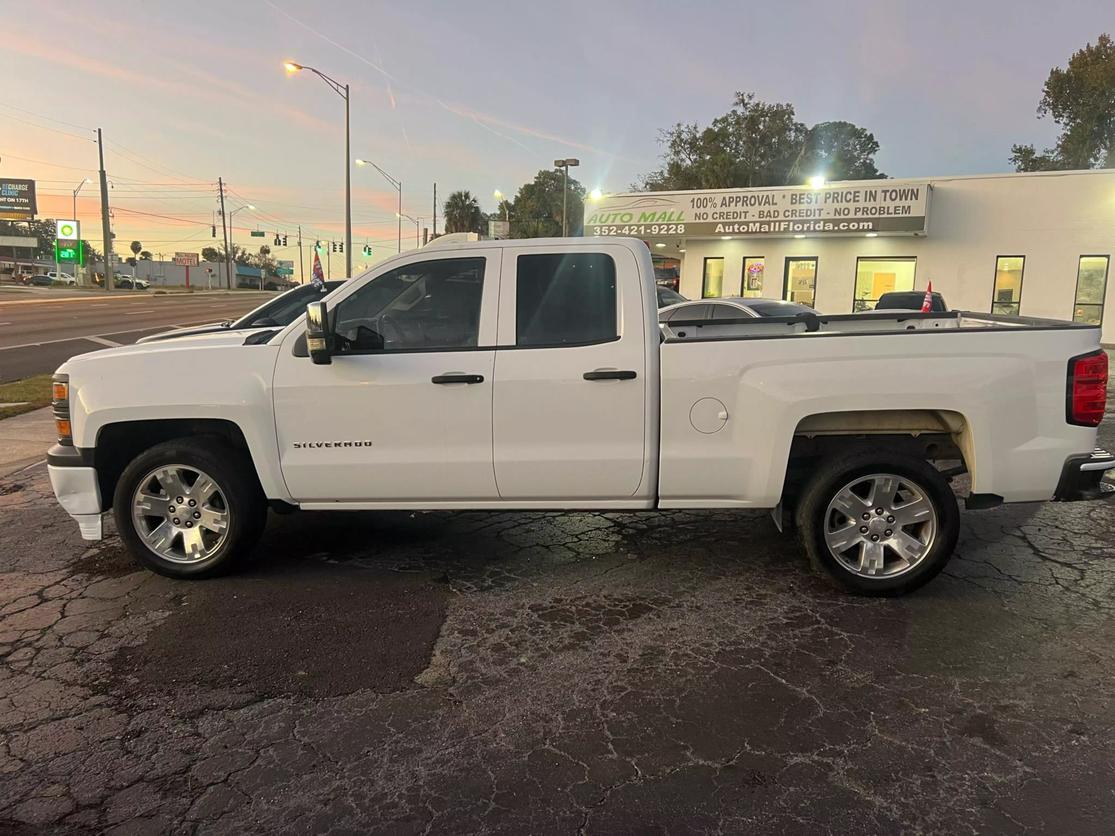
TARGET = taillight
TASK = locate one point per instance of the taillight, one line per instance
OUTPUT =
(1087, 394)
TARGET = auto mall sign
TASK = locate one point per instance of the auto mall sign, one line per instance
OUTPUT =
(879, 208)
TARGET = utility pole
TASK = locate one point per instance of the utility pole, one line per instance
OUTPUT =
(348, 196)
(301, 263)
(435, 211)
(224, 231)
(106, 230)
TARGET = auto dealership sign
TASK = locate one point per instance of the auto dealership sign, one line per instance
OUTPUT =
(878, 208)
(17, 199)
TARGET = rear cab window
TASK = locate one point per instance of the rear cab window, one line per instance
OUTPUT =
(565, 299)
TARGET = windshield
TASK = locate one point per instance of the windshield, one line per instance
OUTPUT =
(667, 296)
(285, 308)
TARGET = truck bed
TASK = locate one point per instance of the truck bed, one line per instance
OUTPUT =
(735, 394)
(868, 322)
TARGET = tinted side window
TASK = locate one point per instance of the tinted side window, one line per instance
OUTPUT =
(728, 312)
(692, 312)
(427, 305)
(565, 298)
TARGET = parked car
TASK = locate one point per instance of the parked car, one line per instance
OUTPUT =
(39, 280)
(277, 312)
(528, 374)
(728, 310)
(126, 282)
(62, 278)
(668, 296)
(910, 300)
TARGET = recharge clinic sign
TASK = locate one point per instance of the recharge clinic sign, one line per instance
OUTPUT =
(17, 199)
(878, 208)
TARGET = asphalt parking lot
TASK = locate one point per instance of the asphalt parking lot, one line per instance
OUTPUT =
(673, 672)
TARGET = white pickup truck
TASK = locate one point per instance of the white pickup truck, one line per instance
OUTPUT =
(533, 375)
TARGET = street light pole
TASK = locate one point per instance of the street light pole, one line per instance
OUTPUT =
(230, 237)
(398, 187)
(564, 166)
(342, 91)
(81, 243)
(415, 221)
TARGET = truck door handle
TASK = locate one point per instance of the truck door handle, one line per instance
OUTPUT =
(457, 378)
(610, 374)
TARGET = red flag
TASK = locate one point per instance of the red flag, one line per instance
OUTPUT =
(927, 303)
(318, 278)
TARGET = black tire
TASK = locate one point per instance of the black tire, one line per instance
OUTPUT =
(843, 470)
(240, 498)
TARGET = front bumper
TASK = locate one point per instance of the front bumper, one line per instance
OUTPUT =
(1081, 477)
(79, 492)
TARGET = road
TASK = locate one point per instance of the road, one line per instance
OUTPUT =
(570, 673)
(39, 331)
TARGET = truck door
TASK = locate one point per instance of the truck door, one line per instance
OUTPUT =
(570, 423)
(404, 411)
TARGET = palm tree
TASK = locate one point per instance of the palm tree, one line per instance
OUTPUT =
(462, 213)
(135, 248)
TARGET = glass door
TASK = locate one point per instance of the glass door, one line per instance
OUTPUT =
(800, 281)
(751, 285)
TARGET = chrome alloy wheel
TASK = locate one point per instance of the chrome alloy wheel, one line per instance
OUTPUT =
(880, 525)
(180, 513)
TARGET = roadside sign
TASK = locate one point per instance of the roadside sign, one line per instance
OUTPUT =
(67, 243)
(186, 259)
(258, 233)
(285, 271)
(17, 199)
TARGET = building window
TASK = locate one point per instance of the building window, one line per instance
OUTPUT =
(1091, 288)
(800, 281)
(713, 285)
(876, 276)
(1007, 295)
(751, 284)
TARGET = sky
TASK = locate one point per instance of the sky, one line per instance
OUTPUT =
(480, 96)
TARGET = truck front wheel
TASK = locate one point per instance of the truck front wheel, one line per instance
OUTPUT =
(879, 524)
(188, 508)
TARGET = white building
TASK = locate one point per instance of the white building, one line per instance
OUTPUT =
(1030, 244)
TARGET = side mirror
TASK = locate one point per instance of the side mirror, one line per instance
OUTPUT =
(319, 337)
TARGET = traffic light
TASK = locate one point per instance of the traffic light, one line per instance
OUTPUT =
(333, 246)
(341, 247)
(284, 240)
(367, 250)
(278, 240)
(214, 229)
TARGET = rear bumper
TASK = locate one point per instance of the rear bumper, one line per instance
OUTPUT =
(1081, 477)
(78, 491)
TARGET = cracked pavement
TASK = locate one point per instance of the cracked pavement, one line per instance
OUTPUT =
(563, 673)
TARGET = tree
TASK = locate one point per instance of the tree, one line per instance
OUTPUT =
(145, 255)
(462, 213)
(536, 210)
(1081, 101)
(135, 247)
(211, 254)
(761, 144)
(839, 151)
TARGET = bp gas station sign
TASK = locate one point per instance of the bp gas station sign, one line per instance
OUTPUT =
(67, 243)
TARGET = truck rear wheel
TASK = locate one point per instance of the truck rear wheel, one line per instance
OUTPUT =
(879, 523)
(189, 508)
